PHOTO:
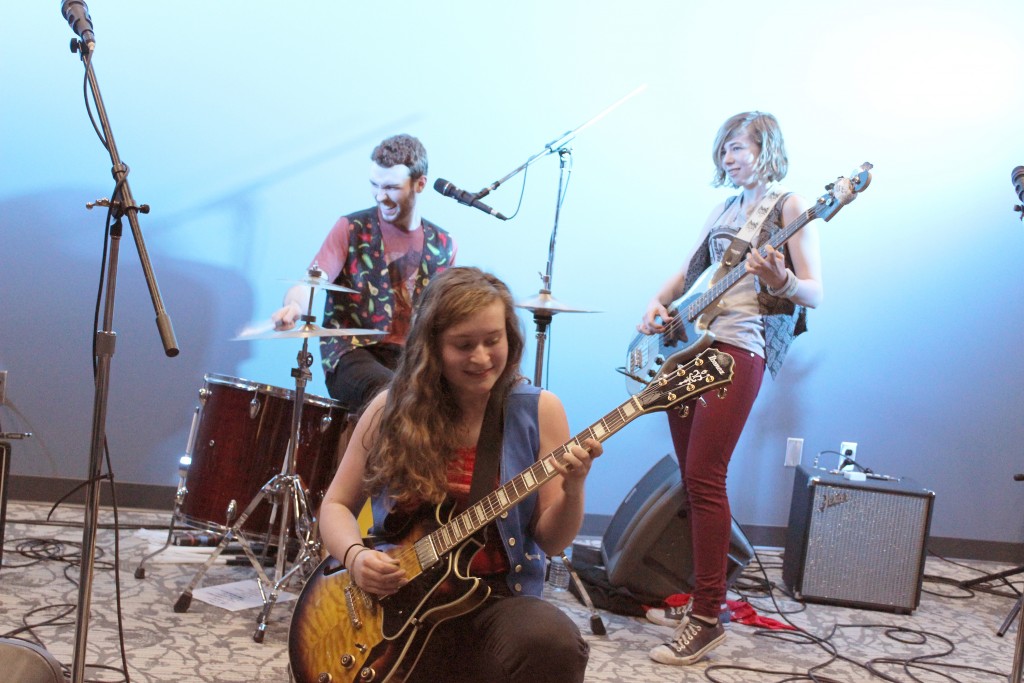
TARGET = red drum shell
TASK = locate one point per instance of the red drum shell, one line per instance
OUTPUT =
(241, 443)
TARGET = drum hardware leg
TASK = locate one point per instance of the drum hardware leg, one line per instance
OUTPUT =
(179, 495)
(231, 533)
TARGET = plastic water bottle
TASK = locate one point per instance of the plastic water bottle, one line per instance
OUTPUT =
(558, 573)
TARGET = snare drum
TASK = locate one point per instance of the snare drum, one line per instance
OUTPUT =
(241, 441)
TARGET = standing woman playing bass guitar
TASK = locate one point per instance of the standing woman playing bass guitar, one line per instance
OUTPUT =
(755, 322)
(415, 447)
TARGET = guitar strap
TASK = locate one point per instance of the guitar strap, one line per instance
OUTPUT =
(488, 449)
(744, 238)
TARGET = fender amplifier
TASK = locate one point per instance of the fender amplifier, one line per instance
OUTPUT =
(856, 543)
(647, 547)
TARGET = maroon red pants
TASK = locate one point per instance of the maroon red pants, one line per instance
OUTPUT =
(704, 442)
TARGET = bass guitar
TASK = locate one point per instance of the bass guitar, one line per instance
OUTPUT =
(686, 331)
(342, 634)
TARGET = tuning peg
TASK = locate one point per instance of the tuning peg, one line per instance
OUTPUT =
(684, 412)
(722, 392)
(702, 401)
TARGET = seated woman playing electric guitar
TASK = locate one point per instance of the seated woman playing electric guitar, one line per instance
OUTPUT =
(477, 615)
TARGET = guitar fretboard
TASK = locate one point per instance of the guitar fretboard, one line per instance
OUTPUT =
(715, 291)
(496, 503)
(701, 374)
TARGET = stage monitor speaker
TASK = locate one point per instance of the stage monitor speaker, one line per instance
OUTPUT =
(857, 543)
(647, 547)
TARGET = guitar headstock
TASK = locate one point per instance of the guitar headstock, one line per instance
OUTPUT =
(711, 368)
(842, 192)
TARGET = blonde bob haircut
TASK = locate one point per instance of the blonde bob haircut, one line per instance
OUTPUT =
(772, 163)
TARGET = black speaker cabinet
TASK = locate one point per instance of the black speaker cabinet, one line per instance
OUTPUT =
(647, 546)
(857, 544)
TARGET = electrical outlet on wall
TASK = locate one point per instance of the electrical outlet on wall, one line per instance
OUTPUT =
(794, 450)
(848, 449)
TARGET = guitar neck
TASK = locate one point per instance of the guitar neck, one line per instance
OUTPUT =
(465, 524)
(718, 289)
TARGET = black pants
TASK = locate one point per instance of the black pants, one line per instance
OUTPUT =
(507, 640)
(361, 373)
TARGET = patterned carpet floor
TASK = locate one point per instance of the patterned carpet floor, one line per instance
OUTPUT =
(951, 636)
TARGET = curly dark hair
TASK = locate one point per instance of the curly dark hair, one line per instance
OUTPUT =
(401, 149)
(415, 436)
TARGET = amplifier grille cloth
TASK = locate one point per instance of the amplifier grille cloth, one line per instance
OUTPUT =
(864, 546)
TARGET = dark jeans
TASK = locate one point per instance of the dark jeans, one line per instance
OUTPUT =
(361, 373)
(507, 640)
(704, 443)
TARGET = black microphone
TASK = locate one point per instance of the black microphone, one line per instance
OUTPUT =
(77, 15)
(1017, 176)
(463, 197)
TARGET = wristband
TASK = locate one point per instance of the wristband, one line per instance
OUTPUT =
(788, 287)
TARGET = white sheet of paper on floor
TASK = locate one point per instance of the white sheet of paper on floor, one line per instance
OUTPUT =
(236, 596)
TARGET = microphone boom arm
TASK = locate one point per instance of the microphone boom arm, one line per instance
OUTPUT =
(555, 145)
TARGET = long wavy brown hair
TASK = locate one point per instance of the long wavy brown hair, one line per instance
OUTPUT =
(416, 438)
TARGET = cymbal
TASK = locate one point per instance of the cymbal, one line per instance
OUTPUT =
(307, 330)
(545, 302)
(318, 283)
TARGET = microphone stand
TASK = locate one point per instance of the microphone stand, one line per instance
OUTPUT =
(122, 204)
(543, 314)
(556, 145)
(544, 306)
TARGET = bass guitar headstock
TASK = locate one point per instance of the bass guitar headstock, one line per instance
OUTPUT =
(842, 192)
(710, 369)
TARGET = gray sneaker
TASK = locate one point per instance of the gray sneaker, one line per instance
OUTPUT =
(670, 616)
(690, 643)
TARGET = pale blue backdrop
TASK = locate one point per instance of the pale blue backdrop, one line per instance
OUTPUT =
(247, 127)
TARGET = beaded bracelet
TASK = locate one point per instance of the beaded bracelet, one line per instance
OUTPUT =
(344, 557)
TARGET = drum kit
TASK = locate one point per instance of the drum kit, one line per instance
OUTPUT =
(259, 445)
(272, 450)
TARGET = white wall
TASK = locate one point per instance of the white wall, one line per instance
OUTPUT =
(248, 127)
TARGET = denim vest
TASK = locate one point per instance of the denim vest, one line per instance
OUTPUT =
(519, 450)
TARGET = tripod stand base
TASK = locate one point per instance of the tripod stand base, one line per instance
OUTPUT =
(288, 494)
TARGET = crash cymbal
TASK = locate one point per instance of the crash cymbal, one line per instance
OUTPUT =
(545, 302)
(317, 283)
(307, 330)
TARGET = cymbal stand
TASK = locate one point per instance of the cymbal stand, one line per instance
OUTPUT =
(542, 317)
(287, 495)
